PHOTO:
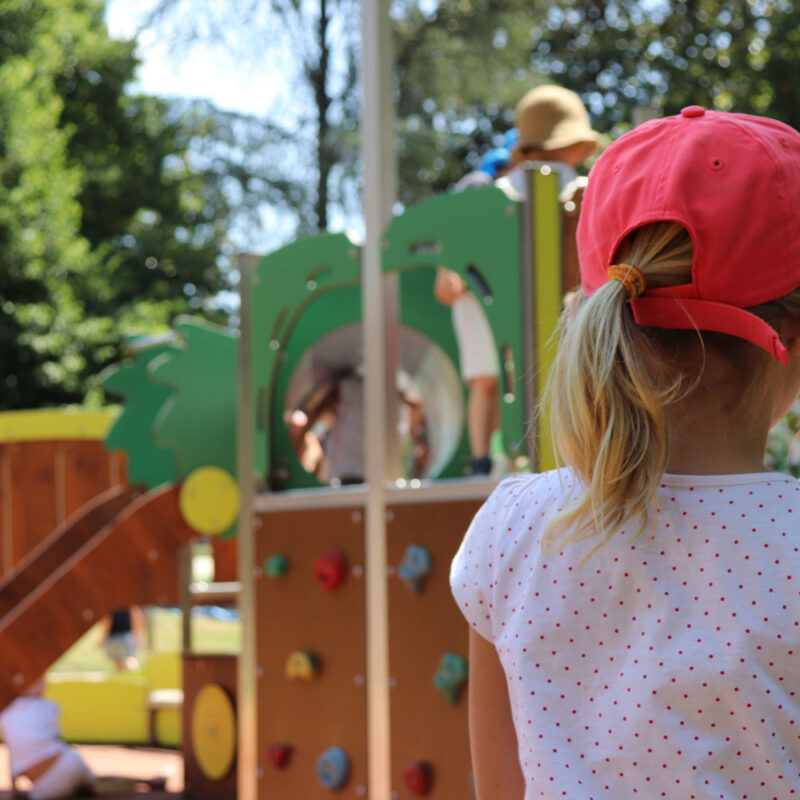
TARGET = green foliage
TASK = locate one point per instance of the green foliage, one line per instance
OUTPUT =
(783, 446)
(733, 56)
(40, 254)
(461, 68)
(104, 231)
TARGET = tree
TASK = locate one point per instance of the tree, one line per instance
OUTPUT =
(102, 219)
(302, 159)
(461, 68)
(733, 56)
(42, 253)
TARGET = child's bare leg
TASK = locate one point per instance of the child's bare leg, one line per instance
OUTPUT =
(483, 411)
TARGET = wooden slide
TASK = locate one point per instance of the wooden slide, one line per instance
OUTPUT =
(119, 549)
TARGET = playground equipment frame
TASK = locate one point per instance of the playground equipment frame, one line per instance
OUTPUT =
(380, 336)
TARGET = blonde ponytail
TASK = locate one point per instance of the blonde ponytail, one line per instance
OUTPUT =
(607, 393)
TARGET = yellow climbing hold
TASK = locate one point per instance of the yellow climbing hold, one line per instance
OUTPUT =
(214, 731)
(209, 500)
(301, 666)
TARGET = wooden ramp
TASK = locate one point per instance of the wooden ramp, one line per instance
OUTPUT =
(118, 550)
(65, 540)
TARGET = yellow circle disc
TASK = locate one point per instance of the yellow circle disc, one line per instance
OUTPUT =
(209, 500)
(214, 732)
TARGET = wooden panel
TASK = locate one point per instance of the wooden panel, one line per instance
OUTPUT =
(422, 627)
(199, 671)
(65, 540)
(43, 483)
(295, 613)
(6, 500)
(118, 464)
(87, 473)
(114, 569)
(226, 567)
(34, 511)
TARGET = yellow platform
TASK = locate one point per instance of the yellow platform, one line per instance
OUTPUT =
(122, 708)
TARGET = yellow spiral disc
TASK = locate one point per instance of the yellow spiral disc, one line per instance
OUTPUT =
(214, 732)
(209, 500)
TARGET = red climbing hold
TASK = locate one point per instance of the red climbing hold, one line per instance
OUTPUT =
(330, 569)
(418, 777)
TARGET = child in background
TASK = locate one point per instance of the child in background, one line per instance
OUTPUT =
(552, 126)
(124, 633)
(32, 732)
(635, 616)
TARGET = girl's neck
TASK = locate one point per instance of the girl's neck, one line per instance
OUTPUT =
(709, 440)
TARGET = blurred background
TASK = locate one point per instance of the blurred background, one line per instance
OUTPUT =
(144, 143)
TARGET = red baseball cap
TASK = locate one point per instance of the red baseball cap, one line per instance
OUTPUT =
(733, 181)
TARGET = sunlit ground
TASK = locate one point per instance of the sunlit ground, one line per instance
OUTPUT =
(209, 635)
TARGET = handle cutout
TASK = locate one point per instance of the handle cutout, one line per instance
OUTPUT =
(481, 283)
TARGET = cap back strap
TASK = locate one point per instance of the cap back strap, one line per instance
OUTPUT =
(706, 315)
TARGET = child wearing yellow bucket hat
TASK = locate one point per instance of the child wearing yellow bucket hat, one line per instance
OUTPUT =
(552, 126)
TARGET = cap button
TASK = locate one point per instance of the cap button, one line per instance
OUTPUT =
(693, 111)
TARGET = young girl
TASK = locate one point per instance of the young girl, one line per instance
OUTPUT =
(635, 616)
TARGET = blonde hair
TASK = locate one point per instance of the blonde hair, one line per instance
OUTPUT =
(612, 381)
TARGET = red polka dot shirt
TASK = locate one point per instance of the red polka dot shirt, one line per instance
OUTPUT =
(662, 667)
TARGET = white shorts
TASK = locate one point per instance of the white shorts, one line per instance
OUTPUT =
(476, 348)
(120, 646)
(64, 778)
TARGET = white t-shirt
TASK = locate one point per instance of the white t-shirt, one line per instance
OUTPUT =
(344, 445)
(32, 732)
(668, 666)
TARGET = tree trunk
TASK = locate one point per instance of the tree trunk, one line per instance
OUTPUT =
(322, 101)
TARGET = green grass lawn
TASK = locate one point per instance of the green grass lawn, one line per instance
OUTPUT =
(209, 635)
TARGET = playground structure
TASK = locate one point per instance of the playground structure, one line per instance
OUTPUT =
(97, 511)
(78, 540)
(310, 601)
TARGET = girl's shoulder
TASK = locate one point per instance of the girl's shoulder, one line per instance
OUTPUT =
(534, 489)
(526, 500)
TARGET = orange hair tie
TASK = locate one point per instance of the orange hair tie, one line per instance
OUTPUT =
(630, 276)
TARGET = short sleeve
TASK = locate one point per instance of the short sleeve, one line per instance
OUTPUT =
(472, 572)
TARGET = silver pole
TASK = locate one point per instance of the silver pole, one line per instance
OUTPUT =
(378, 160)
(247, 759)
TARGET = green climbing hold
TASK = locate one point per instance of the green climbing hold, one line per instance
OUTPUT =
(276, 566)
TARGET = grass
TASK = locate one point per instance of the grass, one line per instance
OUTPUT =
(209, 635)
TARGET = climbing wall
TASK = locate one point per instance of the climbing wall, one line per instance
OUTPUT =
(311, 654)
(428, 648)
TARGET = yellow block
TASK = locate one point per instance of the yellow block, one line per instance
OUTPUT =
(214, 731)
(48, 423)
(167, 729)
(166, 706)
(164, 671)
(209, 500)
(101, 708)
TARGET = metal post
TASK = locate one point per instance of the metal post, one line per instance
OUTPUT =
(184, 581)
(247, 759)
(378, 158)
